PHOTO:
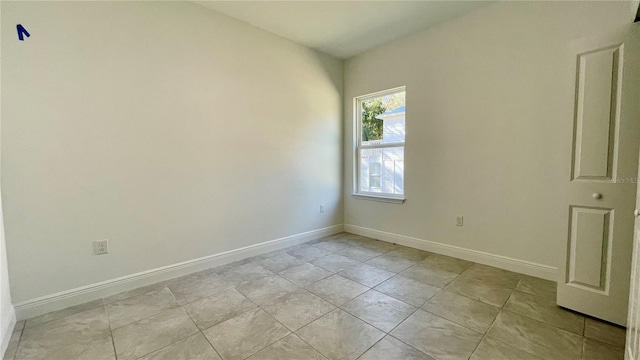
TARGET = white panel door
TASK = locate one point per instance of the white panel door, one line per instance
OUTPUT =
(596, 262)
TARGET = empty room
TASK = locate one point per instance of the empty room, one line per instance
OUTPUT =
(326, 180)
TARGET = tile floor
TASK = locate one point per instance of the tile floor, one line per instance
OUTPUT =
(341, 297)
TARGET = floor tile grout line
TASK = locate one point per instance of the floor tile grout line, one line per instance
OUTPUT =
(464, 296)
(271, 343)
(206, 297)
(534, 295)
(304, 287)
(254, 303)
(504, 343)
(74, 342)
(293, 331)
(544, 322)
(244, 312)
(409, 345)
(404, 277)
(334, 304)
(201, 331)
(19, 341)
(169, 308)
(113, 342)
(484, 336)
(368, 323)
(508, 311)
(174, 306)
(420, 308)
(378, 291)
(288, 293)
(444, 289)
(486, 332)
(236, 315)
(397, 338)
(468, 297)
(152, 287)
(48, 321)
(455, 322)
(298, 335)
(336, 272)
(394, 274)
(531, 293)
(374, 344)
(168, 345)
(541, 322)
(210, 344)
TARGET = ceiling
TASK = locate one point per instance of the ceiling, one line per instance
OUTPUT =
(343, 28)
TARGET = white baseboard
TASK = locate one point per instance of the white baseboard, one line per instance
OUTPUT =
(503, 262)
(42, 305)
(7, 330)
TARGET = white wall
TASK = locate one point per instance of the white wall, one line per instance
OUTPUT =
(489, 126)
(7, 312)
(171, 130)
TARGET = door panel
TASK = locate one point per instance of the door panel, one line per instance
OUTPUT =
(589, 251)
(596, 262)
(597, 113)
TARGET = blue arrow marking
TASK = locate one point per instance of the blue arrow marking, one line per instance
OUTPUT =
(22, 32)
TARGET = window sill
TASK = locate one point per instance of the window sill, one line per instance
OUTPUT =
(387, 199)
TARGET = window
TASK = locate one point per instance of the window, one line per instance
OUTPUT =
(380, 136)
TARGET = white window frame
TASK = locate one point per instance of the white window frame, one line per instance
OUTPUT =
(358, 146)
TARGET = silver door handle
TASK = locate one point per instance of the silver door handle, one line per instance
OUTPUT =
(597, 196)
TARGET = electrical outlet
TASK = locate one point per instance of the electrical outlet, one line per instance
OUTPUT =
(321, 208)
(459, 220)
(101, 247)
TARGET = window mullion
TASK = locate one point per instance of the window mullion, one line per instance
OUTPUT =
(381, 146)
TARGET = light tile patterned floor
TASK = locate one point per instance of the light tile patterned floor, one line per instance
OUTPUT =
(341, 297)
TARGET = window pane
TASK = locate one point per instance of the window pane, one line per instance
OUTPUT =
(374, 181)
(382, 170)
(375, 168)
(383, 119)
